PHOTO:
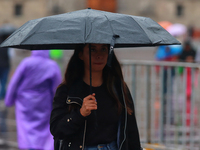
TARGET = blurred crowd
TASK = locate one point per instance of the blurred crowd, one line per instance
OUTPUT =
(189, 52)
(186, 52)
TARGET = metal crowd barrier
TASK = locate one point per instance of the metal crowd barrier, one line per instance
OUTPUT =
(167, 103)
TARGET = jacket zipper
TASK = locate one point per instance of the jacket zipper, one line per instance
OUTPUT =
(125, 119)
(83, 143)
(60, 145)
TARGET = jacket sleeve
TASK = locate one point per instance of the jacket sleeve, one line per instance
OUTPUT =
(133, 133)
(14, 83)
(64, 123)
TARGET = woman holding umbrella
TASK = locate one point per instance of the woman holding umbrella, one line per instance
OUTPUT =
(105, 116)
(104, 119)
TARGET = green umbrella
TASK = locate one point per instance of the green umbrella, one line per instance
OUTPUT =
(56, 53)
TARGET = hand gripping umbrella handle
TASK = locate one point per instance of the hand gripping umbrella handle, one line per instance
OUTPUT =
(112, 44)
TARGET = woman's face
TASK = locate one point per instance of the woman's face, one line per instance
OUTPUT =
(99, 56)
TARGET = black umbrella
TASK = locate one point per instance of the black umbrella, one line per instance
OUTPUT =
(64, 31)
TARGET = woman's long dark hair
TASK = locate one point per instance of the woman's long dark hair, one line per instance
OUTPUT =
(75, 70)
(75, 67)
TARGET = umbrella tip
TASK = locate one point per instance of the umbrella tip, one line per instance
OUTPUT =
(116, 36)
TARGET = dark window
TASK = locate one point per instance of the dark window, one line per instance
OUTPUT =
(18, 10)
(56, 10)
(179, 10)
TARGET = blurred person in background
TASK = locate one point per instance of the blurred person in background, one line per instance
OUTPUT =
(31, 90)
(4, 72)
(4, 68)
(197, 58)
(188, 50)
(167, 53)
(57, 55)
(190, 58)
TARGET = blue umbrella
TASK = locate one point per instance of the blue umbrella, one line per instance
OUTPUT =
(164, 52)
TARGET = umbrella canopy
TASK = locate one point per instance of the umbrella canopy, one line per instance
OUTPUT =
(177, 29)
(56, 53)
(64, 31)
(165, 24)
(164, 52)
(7, 29)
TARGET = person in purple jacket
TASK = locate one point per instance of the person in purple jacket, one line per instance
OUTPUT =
(31, 90)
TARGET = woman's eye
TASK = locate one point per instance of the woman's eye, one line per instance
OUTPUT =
(92, 50)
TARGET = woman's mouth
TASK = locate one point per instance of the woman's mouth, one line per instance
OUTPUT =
(98, 63)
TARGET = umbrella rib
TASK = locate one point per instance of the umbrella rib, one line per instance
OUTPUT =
(17, 31)
(86, 34)
(31, 33)
(153, 43)
(142, 29)
(109, 24)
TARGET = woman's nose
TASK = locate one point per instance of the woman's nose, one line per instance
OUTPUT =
(99, 55)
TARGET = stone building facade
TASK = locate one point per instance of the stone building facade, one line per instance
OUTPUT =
(186, 12)
(176, 11)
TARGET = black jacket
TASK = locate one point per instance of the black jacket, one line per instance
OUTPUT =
(68, 125)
